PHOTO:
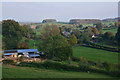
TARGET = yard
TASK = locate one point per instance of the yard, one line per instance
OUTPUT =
(95, 54)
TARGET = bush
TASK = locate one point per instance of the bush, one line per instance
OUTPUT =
(83, 60)
(107, 66)
(75, 59)
(7, 61)
(21, 58)
(84, 67)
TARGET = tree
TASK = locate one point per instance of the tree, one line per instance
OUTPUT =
(73, 39)
(12, 33)
(80, 26)
(95, 31)
(49, 31)
(88, 32)
(84, 38)
(117, 36)
(77, 33)
(56, 47)
(99, 26)
(23, 45)
(116, 23)
(108, 35)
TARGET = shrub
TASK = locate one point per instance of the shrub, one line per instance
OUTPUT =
(75, 59)
(21, 58)
(7, 61)
(84, 67)
(107, 66)
(83, 60)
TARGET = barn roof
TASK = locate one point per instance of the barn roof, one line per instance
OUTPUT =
(7, 54)
(27, 50)
(24, 51)
(32, 55)
(9, 51)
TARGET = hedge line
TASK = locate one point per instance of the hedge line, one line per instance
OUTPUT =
(60, 66)
(97, 46)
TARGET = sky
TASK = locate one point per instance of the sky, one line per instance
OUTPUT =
(60, 0)
(61, 11)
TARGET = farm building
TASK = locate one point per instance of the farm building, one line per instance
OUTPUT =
(21, 52)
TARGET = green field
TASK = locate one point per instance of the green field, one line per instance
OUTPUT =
(112, 30)
(95, 54)
(26, 72)
(108, 22)
(31, 43)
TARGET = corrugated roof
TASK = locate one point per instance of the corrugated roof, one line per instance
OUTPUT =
(24, 51)
(32, 55)
(27, 50)
(7, 54)
(10, 51)
(21, 50)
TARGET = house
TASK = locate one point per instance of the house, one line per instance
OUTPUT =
(67, 34)
(94, 36)
(21, 52)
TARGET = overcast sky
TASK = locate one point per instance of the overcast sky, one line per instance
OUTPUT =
(61, 11)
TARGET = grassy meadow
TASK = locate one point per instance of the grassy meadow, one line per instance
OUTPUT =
(95, 54)
(111, 30)
(9, 71)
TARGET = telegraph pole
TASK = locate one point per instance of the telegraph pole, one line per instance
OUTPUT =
(34, 51)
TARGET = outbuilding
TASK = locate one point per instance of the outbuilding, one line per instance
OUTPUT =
(21, 52)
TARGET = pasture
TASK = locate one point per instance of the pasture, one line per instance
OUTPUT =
(9, 71)
(95, 54)
(111, 30)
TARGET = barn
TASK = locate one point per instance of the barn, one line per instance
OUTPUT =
(21, 52)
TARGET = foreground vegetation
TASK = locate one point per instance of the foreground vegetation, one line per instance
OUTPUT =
(26, 72)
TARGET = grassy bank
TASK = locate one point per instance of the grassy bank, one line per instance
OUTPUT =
(9, 71)
(95, 54)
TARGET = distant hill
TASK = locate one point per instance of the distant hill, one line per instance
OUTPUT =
(48, 20)
(110, 19)
(84, 21)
